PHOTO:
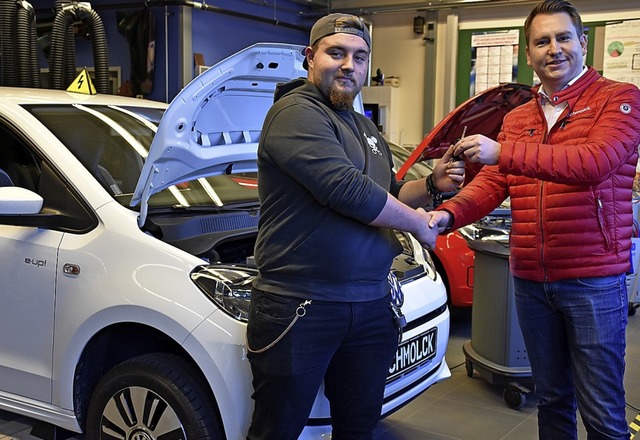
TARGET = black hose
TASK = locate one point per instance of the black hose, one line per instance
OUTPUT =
(62, 57)
(7, 43)
(33, 45)
(100, 53)
(26, 70)
(59, 36)
(69, 58)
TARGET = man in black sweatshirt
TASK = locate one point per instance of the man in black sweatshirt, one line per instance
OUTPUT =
(320, 307)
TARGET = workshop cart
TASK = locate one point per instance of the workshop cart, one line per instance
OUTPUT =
(633, 280)
(496, 349)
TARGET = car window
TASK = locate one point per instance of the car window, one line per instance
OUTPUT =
(63, 209)
(113, 142)
(110, 144)
(17, 163)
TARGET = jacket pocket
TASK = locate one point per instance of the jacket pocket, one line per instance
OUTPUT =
(601, 222)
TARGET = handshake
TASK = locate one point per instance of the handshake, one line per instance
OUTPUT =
(435, 222)
(448, 175)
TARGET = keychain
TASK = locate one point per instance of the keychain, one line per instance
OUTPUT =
(397, 300)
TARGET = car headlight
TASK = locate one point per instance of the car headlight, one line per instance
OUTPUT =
(227, 286)
(430, 265)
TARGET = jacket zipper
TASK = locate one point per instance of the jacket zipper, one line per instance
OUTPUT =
(545, 139)
(542, 238)
(541, 219)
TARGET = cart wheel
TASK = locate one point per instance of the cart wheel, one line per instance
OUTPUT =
(469, 366)
(514, 396)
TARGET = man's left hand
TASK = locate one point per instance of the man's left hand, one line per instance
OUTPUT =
(478, 148)
(448, 173)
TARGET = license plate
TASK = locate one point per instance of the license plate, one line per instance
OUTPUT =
(413, 353)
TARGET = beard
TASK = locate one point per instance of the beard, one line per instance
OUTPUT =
(341, 100)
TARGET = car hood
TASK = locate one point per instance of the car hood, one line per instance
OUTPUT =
(481, 114)
(212, 126)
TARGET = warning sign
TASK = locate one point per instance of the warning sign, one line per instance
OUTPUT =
(82, 84)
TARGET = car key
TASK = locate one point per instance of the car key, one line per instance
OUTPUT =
(399, 319)
(457, 158)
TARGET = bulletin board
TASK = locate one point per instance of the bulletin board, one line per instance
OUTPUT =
(523, 73)
(622, 52)
(494, 59)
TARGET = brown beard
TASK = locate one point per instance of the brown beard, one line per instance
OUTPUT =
(341, 100)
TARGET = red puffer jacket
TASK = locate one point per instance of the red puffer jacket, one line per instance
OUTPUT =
(570, 189)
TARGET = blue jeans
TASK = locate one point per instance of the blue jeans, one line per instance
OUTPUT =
(574, 331)
(348, 345)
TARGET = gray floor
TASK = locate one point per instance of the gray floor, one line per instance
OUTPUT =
(460, 408)
(470, 408)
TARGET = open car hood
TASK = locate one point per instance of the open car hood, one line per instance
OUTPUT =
(481, 114)
(213, 125)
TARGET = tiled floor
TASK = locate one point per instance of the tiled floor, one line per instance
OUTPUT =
(460, 408)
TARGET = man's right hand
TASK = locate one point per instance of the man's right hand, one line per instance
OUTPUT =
(426, 234)
(439, 220)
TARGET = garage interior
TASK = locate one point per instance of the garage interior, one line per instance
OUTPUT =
(465, 406)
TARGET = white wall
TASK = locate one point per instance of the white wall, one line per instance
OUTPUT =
(398, 51)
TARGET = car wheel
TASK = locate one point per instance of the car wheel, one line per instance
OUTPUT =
(151, 397)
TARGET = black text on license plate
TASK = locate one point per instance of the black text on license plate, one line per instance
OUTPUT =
(414, 352)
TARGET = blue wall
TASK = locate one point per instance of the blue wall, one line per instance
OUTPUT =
(215, 34)
(231, 34)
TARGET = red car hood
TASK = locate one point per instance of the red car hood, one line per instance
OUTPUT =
(481, 114)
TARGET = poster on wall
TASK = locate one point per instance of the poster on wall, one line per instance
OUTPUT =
(494, 59)
(622, 52)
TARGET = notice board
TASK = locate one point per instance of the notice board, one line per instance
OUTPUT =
(468, 55)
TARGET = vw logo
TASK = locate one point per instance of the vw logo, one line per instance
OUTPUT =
(139, 434)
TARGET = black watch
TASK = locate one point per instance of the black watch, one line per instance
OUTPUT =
(436, 195)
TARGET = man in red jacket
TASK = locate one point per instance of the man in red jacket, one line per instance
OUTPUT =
(567, 160)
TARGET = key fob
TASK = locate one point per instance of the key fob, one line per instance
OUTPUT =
(399, 318)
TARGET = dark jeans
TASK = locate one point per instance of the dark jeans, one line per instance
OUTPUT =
(574, 331)
(348, 345)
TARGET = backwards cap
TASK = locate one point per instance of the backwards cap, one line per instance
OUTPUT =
(327, 25)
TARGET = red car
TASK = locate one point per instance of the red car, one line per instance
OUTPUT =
(481, 114)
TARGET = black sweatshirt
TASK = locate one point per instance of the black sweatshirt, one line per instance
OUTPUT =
(323, 175)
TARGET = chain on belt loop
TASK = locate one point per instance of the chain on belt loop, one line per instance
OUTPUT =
(300, 312)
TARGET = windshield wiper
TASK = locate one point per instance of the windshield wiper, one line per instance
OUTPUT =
(249, 207)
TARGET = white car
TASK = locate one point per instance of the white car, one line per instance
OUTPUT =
(127, 230)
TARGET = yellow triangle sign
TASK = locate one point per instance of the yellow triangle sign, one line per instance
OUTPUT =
(82, 84)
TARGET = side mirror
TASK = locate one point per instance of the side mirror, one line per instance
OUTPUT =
(15, 200)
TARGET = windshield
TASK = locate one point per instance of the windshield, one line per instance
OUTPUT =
(112, 142)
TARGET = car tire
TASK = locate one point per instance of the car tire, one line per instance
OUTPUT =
(151, 396)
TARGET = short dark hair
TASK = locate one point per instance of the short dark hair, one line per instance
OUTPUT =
(553, 7)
